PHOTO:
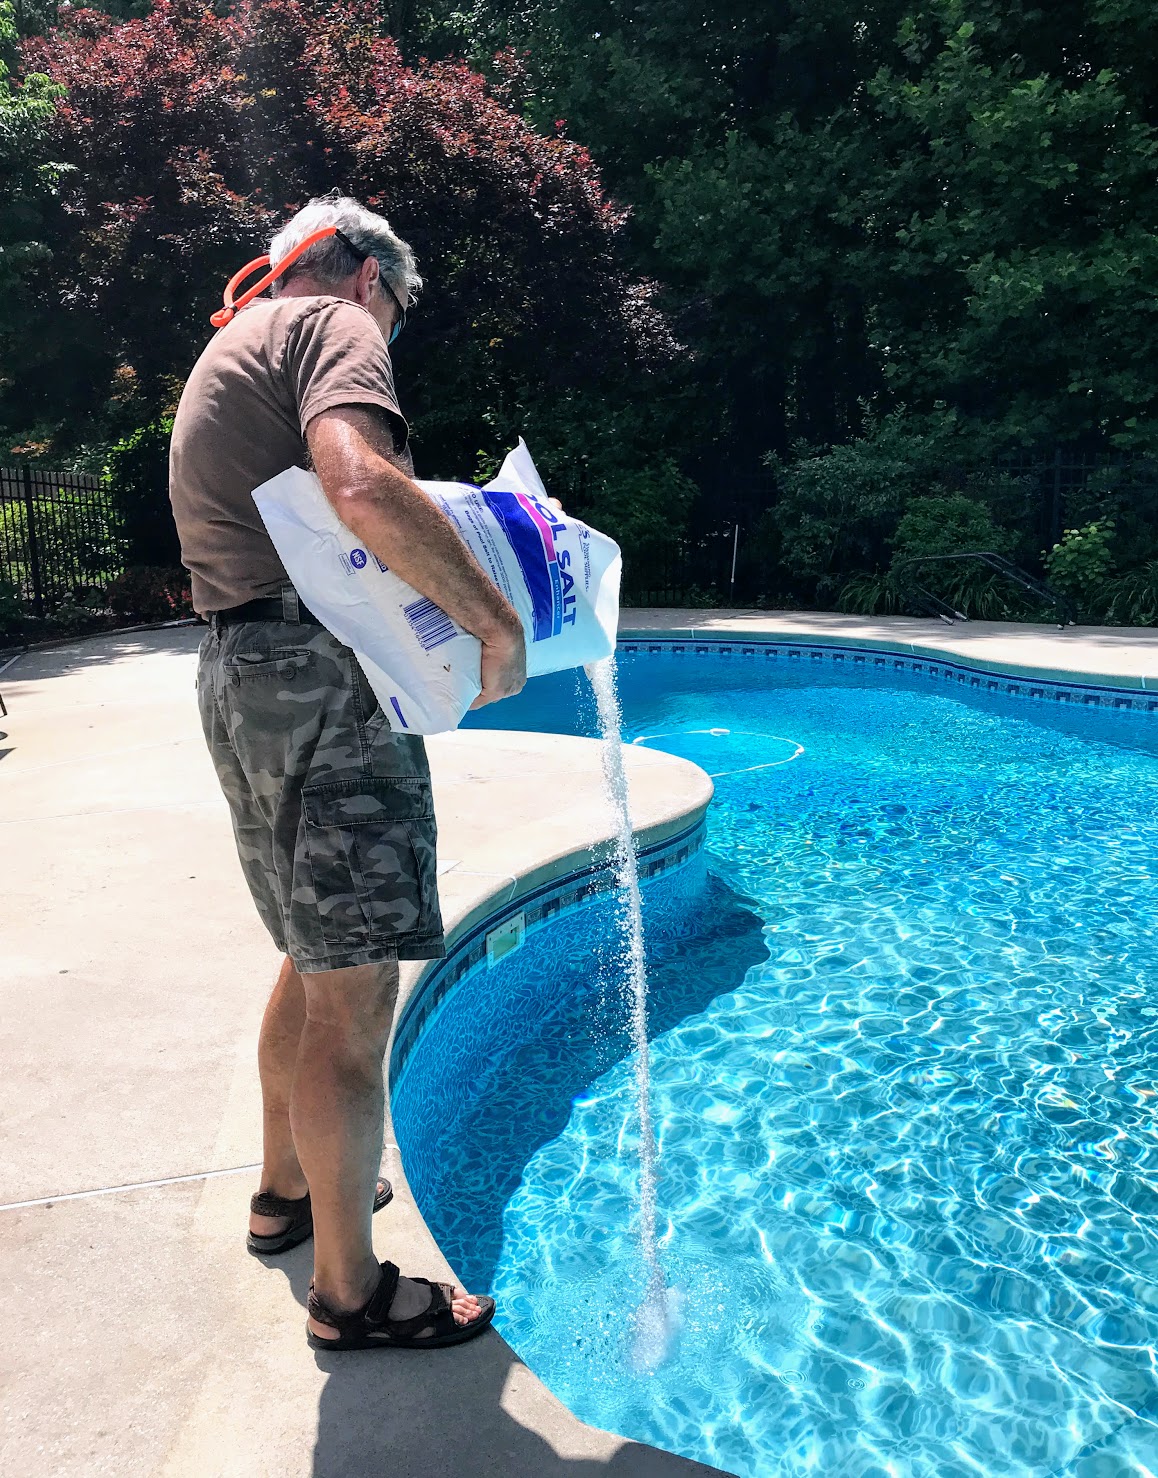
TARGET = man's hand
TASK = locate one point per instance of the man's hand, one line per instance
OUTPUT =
(504, 667)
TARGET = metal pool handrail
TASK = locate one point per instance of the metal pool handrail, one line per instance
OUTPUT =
(938, 607)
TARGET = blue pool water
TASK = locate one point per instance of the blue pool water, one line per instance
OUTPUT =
(905, 1069)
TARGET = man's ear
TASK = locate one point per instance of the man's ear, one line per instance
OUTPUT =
(367, 277)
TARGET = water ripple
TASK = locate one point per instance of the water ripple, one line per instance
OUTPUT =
(905, 1064)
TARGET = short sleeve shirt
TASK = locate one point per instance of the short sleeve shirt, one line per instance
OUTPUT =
(242, 420)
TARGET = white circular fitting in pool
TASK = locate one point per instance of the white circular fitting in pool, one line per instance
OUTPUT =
(710, 748)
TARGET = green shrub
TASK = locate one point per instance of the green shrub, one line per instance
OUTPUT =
(1132, 598)
(151, 593)
(952, 524)
(73, 617)
(837, 508)
(12, 612)
(1126, 495)
(1080, 565)
(137, 472)
(76, 618)
(871, 595)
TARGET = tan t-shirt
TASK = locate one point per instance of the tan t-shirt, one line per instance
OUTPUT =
(242, 420)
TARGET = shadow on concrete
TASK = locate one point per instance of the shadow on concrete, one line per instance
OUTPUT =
(371, 1423)
(387, 1414)
(38, 663)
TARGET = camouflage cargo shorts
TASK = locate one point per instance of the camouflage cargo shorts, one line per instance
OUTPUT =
(332, 811)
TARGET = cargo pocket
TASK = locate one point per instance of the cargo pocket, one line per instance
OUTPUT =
(372, 853)
(285, 665)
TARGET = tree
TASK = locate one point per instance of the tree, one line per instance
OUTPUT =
(1018, 201)
(743, 138)
(938, 227)
(869, 208)
(30, 178)
(886, 231)
(192, 134)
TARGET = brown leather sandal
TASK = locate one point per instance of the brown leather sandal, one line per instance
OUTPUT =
(371, 1328)
(301, 1227)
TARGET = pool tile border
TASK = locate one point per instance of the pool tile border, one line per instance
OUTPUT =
(961, 674)
(538, 906)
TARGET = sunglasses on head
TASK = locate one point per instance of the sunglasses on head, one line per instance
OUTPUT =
(400, 322)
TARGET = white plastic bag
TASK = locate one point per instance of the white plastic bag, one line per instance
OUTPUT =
(561, 577)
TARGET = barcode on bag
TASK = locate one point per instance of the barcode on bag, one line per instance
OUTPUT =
(431, 626)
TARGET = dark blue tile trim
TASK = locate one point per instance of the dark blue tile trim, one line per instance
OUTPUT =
(957, 674)
(537, 906)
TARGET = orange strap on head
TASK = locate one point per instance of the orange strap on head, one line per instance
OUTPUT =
(225, 315)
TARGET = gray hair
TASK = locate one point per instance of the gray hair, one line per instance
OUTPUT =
(330, 262)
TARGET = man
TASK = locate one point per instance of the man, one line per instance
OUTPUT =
(331, 809)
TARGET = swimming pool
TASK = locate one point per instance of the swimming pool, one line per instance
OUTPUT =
(904, 1077)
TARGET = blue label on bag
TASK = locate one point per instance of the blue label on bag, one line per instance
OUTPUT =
(531, 530)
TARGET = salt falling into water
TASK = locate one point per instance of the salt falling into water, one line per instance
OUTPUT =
(653, 1326)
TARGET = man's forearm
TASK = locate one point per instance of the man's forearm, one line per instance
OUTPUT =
(395, 519)
(407, 532)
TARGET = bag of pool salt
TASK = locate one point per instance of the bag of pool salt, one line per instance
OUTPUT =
(561, 577)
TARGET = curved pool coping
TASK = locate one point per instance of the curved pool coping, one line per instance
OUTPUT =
(554, 848)
(549, 850)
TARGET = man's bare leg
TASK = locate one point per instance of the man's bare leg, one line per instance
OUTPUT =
(277, 1055)
(337, 1109)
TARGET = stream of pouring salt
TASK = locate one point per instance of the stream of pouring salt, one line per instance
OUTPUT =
(653, 1322)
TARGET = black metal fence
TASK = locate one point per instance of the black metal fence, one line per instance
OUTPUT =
(722, 558)
(698, 568)
(1058, 484)
(60, 535)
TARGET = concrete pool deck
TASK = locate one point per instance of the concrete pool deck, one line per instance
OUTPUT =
(142, 1339)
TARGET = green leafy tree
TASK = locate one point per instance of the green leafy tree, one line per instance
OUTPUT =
(30, 179)
(947, 211)
(137, 474)
(1017, 201)
(192, 134)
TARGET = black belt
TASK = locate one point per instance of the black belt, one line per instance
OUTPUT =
(269, 609)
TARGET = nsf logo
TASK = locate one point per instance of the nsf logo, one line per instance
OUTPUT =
(358, 558)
